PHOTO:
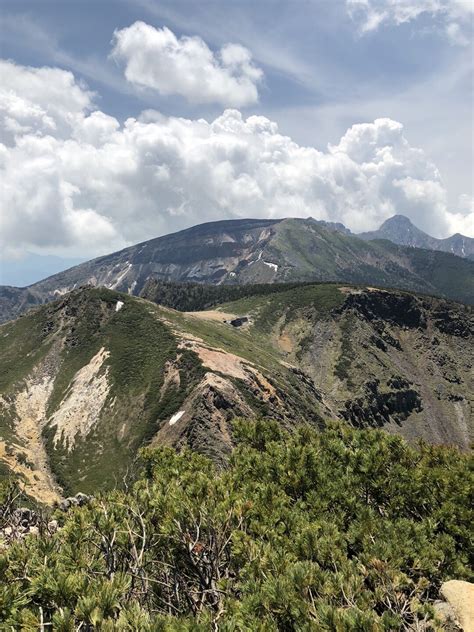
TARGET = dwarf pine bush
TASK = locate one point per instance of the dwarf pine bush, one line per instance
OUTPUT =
(339, 530)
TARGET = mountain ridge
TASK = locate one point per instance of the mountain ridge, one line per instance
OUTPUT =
(90, 378)
(257, 251)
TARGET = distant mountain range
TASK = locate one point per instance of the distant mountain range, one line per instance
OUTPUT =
(267, 251)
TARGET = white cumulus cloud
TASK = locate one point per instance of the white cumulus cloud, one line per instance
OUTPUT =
(74, 178)
(40, 100)
(155, 58)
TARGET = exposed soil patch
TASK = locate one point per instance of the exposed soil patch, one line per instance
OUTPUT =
(80, 409)
(220, 361)
(171, 376)
(28, 457)
(285, 343)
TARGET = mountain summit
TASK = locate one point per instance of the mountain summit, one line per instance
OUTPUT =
(400, 230)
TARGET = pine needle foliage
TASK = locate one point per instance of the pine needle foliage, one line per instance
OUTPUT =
(338, 530)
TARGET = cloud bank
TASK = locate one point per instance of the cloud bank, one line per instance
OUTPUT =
(74, 178)
(156, 58)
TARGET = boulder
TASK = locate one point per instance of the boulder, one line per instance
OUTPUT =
(79, 500)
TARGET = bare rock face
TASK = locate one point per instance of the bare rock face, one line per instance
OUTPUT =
(460, 597)
(22, 522)
(79, 500)
(400, 230)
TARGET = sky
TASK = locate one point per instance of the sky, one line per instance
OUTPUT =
(124, 120)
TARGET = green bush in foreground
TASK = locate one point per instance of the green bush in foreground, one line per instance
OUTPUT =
(339, 530)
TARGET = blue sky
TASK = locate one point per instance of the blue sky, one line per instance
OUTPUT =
(317, 68)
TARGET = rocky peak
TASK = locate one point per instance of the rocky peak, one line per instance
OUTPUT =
(401, 230)
(399, 221)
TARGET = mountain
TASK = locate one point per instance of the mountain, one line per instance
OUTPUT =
(90, 378)
(257, 251)
(400, 230)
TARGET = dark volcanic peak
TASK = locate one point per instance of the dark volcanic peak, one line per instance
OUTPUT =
(402, 231)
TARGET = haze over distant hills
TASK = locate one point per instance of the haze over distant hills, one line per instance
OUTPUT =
(259, 251)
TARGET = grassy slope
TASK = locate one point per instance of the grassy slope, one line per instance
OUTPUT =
(23, 342)
(316, 252)
(140, 345)
(345, 354)
(256, 343)
(140, 341)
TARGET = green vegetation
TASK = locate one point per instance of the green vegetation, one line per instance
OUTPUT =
(66, 335)
(191, 372)
(447, 274)
(193, 297)
(343, 530)
(138, 344)
(21, 347)
(316, 252)
(309, 300)
(300, 338)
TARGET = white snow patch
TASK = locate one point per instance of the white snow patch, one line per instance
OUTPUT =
(119, 306)
(232, 274)
(176, 417)
(271, 265)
